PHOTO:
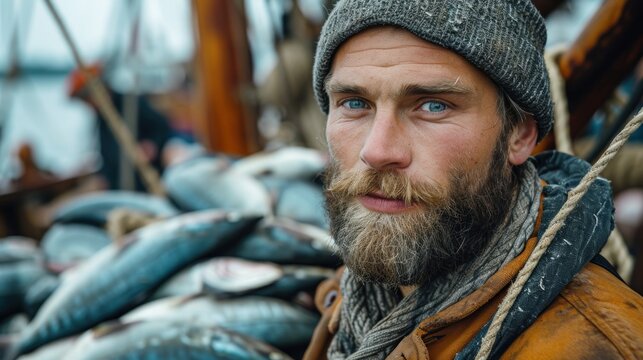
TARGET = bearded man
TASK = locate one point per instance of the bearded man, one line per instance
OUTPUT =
(434, 107)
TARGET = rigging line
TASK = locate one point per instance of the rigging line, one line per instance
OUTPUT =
(574, 196)
(8, 89)
(283, 72)
(101, 97)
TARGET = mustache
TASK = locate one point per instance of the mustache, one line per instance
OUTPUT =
(387, 183)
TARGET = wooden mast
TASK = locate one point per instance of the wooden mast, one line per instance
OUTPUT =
(223, 69)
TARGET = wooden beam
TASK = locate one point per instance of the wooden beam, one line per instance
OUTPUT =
(599, 60)
(223, 67)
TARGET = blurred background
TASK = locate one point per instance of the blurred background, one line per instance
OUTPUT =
(200, 76)
(175, 112)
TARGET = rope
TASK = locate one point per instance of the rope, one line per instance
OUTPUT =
(573, 198)
(104, 103)
(615, 250)
(558, 94)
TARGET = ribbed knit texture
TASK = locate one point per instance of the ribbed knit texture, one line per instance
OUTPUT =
(503, 38)
(374, 318)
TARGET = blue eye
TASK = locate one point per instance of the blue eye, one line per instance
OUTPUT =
(434, 106)
(354, 104)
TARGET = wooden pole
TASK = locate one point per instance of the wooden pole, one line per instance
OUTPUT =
(599, 60)
(101, 98)
(223, 68)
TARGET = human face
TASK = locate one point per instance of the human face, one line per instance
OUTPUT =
(420, 178)
(400, 103)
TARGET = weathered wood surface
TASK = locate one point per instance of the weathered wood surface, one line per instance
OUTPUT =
(223, 69)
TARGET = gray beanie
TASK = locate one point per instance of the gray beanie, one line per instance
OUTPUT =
(503, 38)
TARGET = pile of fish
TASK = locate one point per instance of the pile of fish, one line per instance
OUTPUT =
(226, 271)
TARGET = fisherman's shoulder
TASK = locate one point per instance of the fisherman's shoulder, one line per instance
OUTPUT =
(596, 316)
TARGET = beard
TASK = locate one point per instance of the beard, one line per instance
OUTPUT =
(447, 227)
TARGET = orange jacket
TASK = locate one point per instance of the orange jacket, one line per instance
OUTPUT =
(596, 316)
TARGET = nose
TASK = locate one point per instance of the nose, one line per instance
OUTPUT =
(386, 145)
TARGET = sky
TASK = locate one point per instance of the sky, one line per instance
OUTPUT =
(96, 27)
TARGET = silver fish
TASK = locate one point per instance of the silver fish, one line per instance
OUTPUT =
(65, 245)
(161, 339)
(93, 208)
(185, 282)
(273, 321)
(39, 292)
(13, 324)
(302, 201)
(285, 241)
(15, 280)
(285, 163)
(55, 350)
(208, 183)
(122, 275)
(18, 248)
(233, 277)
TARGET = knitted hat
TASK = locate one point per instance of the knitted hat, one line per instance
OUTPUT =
(503, 38)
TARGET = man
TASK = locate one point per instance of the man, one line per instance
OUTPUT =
(434, 108)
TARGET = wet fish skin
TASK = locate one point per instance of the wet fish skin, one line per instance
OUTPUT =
(55, 350)
(161, 339)
(65, 245)
(208, 183)
(299, 200)
(233, 277)
(285, 163)
(119, 277)
(186, 282)
(18, 248)
(281, 243)
(296, 279)
(94, 208)
(15, 280)
(13, 324)
(270, 320)
(39, 292)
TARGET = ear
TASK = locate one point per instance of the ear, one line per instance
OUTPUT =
(522, 141)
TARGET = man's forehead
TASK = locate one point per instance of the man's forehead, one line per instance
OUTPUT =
(380, 49)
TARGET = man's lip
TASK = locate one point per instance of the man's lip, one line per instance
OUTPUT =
(378, 202)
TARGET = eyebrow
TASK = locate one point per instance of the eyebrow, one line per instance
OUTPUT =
(406, 90)
(435, 89)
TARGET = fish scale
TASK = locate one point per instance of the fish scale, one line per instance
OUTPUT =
(162, 339)
(274, 321)
(118, 277)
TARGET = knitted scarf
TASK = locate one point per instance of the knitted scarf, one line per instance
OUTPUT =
(375, 318)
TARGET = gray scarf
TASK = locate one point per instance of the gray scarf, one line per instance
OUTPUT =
(375, 318)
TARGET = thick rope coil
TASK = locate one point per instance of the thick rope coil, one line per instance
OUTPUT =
(615, 250)
(573, 198)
